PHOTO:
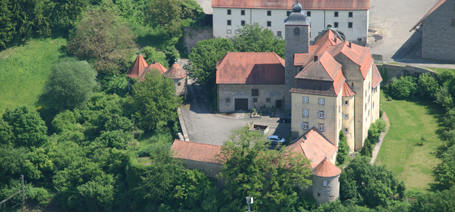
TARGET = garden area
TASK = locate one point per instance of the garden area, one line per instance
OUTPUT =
(410, 145)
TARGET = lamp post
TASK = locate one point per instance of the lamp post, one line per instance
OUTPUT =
(249, 201)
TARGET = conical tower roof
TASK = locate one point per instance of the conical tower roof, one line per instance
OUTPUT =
(138, 67)
(154, 65)
(326, 169)
(176, 72)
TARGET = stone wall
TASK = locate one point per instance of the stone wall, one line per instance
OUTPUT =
(180, 86)
(438, 32)
(210, 169)
(401, 70)
(328, 193)
(196, 34)
(267, 92)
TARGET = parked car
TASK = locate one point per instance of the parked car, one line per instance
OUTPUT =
(285, 118)
(274, 139)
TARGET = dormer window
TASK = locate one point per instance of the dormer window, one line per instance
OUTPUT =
(296, 31)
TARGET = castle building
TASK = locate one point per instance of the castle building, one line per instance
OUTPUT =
(349, 17)
(438, 28)
(333, 83)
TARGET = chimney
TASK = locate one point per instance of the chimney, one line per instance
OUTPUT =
(316, 58)
(349, 44)
(153, 61)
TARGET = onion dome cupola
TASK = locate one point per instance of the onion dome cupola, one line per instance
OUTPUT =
(297, 16)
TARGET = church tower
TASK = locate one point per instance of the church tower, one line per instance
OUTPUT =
(297, 32)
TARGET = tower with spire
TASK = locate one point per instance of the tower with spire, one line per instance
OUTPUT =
(297, 30)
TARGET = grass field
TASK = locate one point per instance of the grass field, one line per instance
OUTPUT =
(400, 153)
(25, 69)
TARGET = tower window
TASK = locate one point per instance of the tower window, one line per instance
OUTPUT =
(335, 14)
(269, 13)
(242, 23)
(349, 24)
(350, 14)
(242, 12)
(335, 24)
(296, 31)
(229, 11)
(229, 22)
(324, 182)
(269, 24)
(308, 13)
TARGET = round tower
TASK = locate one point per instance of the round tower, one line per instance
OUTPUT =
(326, 184)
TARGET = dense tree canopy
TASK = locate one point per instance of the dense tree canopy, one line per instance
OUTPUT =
(103, 40)
(155, 103)
(70, 85)
(255, 38)
(273, 178)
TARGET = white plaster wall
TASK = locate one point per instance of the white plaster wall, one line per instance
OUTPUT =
(319, 21)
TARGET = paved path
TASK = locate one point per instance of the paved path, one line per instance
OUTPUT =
(381, 139)
(206, 127)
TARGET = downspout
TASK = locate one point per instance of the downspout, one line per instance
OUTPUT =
(251, 16)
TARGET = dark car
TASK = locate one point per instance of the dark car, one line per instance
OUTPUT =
(285, 118)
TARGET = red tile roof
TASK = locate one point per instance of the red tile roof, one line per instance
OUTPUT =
(250, 68)
(328, 39)
(176, 72)
(287, 4)
(326, 169)
(357, 54)
(314, 146)
(152, 66)
(436, 6)
(326, 68)
(138, 66)
(347, 91)
(376, 77)
(195, 151)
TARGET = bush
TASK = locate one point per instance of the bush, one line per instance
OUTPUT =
(403, 88)
(343, 149)
(367, 148)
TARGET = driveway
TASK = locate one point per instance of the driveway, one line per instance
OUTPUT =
(390, 22)
(206, 127)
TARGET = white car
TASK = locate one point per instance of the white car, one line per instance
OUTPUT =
(275, 139)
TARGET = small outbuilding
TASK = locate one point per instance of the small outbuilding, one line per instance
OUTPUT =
(179, 75)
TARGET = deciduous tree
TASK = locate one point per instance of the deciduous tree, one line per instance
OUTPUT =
(254, 38)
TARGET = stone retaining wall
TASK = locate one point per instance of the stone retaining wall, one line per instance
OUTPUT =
(395, 70)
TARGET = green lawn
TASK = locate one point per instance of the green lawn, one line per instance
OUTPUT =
(400, 153)
(25, 69)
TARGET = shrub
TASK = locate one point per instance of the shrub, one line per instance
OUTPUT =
(403, 88)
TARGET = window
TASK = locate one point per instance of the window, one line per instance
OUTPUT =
(242, 23)
(322, 127)
(255, 100)
(335, 14)
(305, 113)
(321, 114)
(321, 101)
(269, 24)
(350, 14)
(237, 31)
(305, 99)
(242, 12)
(255, 92)
(359, 39)
(345, 130)
(339, 108)
(228, 100)
(349, 24)
(229, 31)
(352, 85)
(308, 13)
(229, 22)
(278, 33)
(178, 84)
(269, 13)
(372, 105)
(365, 106)
(288, 13)
(335, 24)
(296, 31)
(346, 102)
(229, 11)
(368, 112)
(346, 116)
(324, 182)
(267, 100)
(303, 125)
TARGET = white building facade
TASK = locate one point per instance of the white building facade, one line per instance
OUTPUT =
(349, 17)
